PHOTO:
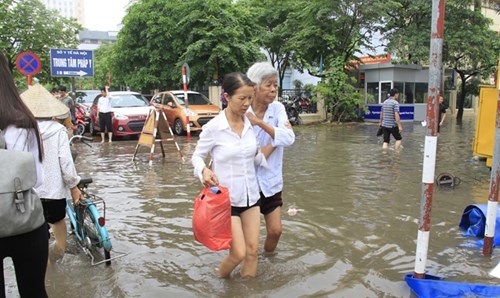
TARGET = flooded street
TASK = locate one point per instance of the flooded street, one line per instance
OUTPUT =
(356, 237)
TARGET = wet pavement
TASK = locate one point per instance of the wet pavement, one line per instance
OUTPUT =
(355, 238)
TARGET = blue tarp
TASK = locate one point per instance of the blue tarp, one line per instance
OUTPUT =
(435, 287)
(473, 222)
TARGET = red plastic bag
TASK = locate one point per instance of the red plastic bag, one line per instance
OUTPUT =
(212, 219)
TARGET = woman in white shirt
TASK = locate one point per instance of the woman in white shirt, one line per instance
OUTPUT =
(231, 142)
(29, 251)
(105, 120)
(274, 132)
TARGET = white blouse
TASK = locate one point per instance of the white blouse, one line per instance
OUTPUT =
(233, 159)
(104, 104)
(271, 179)
(59, 170)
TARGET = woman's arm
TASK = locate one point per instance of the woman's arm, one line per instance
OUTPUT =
(203, 148)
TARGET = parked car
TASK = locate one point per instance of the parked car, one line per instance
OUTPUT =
(201, 110)
(130, 111)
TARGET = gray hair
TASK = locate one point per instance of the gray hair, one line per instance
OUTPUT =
(260, 71)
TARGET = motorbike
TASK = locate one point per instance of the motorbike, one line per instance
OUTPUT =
(80, 121)
(291, 110)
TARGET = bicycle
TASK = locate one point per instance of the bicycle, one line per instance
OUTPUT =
(86, 221)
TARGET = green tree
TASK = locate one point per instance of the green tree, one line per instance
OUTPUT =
(28, 26)
(470, 46)
(274, 31)
(331, 29)
(338, 91)
(213, 36)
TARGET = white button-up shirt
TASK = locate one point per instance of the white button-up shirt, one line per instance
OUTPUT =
(104, 104)
(270, 178)
(233, 159)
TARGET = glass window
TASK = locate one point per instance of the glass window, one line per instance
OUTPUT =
(386, 87)
(409, 93)
(401, 88)
(128, 100)
(157, 98)
(372, 89)
(421, 90)
(194, 99)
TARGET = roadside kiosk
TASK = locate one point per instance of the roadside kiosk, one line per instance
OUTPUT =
(410, 79)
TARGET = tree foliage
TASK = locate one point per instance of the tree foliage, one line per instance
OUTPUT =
(212, 36)
(331, 29)
(337, 90)
(28, 26)
(470, 46)
(274, 31)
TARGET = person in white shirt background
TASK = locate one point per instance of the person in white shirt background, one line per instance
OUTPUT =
(105, 121)
(274, 132)
(232, 145)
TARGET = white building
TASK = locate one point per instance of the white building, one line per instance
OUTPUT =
(68, 8)
(92, 39)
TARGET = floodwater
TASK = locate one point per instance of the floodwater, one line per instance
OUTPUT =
(355, 238)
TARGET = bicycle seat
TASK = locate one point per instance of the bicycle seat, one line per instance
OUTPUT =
(85, 181)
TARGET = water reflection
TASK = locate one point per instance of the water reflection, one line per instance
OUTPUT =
(356, 237)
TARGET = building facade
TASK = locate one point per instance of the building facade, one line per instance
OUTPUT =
(68, 8)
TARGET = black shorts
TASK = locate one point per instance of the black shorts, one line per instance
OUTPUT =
(236, 211)
(105, 121)
(269, 204)
(54, 210)
(391, 130)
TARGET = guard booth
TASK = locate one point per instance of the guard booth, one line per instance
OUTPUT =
(410, 79)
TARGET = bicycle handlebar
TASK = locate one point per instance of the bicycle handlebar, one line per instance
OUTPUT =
(82, 138)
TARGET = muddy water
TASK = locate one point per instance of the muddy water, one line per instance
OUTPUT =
(356, 237)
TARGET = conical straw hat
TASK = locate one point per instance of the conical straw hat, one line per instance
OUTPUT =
(42, 104)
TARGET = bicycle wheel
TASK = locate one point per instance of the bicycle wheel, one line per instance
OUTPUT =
(96, 234)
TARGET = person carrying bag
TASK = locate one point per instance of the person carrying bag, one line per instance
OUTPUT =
(23, 233)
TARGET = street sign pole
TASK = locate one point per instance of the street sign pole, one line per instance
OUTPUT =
(184, 84)
(430, 143)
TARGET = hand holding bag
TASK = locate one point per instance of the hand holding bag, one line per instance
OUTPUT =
(212, 218)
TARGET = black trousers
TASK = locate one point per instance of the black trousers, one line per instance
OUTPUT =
(29, 253)
(105, 122)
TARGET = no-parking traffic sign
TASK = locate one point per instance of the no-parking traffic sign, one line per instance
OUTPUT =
(28, 63)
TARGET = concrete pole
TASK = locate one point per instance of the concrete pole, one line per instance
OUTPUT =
(430, 146)
(491, 214)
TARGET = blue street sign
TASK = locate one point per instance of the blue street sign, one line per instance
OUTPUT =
(71, 63)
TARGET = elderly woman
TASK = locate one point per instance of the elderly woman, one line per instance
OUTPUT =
(273, 132)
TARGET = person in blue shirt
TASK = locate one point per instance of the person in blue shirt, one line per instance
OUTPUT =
(390, 120)
(273, 132)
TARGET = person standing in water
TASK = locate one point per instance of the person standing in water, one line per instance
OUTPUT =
(390, 120)
(230, 141)
(274, 132)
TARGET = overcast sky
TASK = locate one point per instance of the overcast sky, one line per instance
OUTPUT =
(104, 15)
